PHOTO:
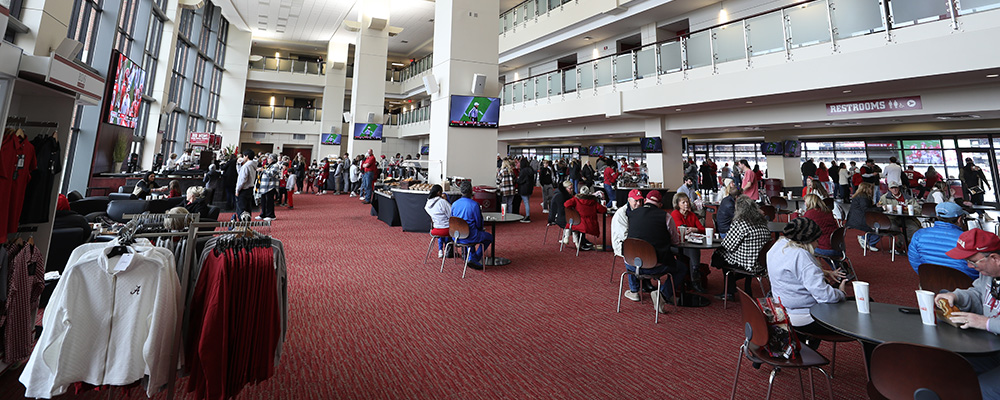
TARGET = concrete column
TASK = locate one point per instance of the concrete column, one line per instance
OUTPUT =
(234, 86)
(666, 167)
(48, 23)
(787, 169)
(333, 100)
(464, 44)
(370, 56)
(649, 34)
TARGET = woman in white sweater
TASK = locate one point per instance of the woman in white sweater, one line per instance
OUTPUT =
(439, 209)
(797, 280)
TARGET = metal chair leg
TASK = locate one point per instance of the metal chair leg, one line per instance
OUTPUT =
(468, 255)
(562, 234)
(829, 386)
(802, 389)
(544, 238)
(865, 246)
(893, 251)
(621, 284)
(760, 281)
(446, 252)
(833, 360)
(739, 363)
(613, 259)
(578, 241)
(725, 290)
(429, 249)
(770, 381)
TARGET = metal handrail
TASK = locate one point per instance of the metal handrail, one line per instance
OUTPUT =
(259, 111)
(307, 67)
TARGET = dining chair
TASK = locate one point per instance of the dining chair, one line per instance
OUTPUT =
(839, 244)
(643, 255)
(928, 210)
(431, 245)
(781, 206)
(935, 278)
(573, 219)
(770, 212)
(912, 371)
(756, 336)
(881, 226)
(761, 260)
(459, 229)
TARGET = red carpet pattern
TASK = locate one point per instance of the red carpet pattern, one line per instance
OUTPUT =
(368, 320)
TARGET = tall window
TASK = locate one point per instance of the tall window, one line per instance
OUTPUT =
(83, 27)
(124, 36)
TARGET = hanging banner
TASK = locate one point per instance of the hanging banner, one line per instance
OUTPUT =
(200, 138)
(874, 106)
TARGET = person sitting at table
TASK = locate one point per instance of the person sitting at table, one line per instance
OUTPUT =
(741, 247)
(861, 203)
(589, 207)
(940, 193)
(898, 196)
(815, 187)
(929, 245)
(797, 279)
(147, 185)
(688, 189)
(174, 188)
(979, 304)
(195, 202)
(439, 209)
(619, 227)
(468, 209)
(817, 211)
(652, 224)
(684, 215)
(727, 207)
(557, 212)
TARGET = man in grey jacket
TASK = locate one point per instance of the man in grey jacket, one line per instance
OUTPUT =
(980, 304)
(338, 177)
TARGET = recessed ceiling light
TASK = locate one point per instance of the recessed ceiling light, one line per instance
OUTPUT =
(404, 41)
(539, 124)
(677, 109)
(992, 75)
(569, 121)
(847, 91)
(587, 38)
(798, 126)
(749, 101)
(396, 64)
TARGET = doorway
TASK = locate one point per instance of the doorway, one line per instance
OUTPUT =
(291, 152)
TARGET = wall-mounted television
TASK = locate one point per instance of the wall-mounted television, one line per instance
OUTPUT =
(425, 150)
(368, 131)
(651, 145)
(124, 95)
(330, 139)
(793, 148)
(596, 151)
(772, 148)
(475, 112)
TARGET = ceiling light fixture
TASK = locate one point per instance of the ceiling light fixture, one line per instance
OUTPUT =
(992, 75)
(847, 91)
(587, 38)
(396, 64)
(749, 101)
(677, 109)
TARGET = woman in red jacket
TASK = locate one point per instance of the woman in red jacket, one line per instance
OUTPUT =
(817, 211)
(589, 208)
(683, 215)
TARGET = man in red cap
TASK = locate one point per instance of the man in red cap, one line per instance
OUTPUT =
(980, 304)
(652, 224)
(619, 223)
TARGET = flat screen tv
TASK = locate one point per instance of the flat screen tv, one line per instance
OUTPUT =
(597, 151)
(368, 131)
(651, 145)
(772, 148)
(475, 112)
(125, 94)
(793, 148)
(425, 150)
(331, 138)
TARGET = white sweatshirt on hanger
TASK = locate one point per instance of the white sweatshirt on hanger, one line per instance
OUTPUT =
(107, 325)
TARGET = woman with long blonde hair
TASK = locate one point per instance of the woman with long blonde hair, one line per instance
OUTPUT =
(863, 202)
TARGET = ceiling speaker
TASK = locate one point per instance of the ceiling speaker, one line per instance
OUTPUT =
(69, 48)
(478, 84)
(169, 108)
(347, 117)
(430, 84)
(371, 118)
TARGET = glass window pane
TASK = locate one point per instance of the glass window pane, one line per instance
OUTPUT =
(911, 12)
(670, 57)
(858, 145)
(766, 34)
(923, 158)
(922, 144)
(951, 161)
(808, 24)
(856, 17)
(729, 44)
(604, 73)
(846, 156)
(699, 50)
(810, 146)
(975, 142)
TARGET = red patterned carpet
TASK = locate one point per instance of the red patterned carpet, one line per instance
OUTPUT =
(369, 320)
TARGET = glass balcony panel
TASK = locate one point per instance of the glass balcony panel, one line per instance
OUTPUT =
(508, 21)
(670, 57)
(529, 10)
(518, 92)
(911, 12)
(553, 4)
(294, 114)
(623, 68)
(729, 44)
(586, 75)
(808, 24)
(569, 80)
(501, 25)
(312, 68)
(645, 60)
(972, 6)
(541, 87)
(605, 74)
(555, 83)
(280, 112)
(766, 34)
(284, 65)
(318, 115)
(266, 112)
(271, 64)
(507, 94)
(298, 66)
(249, 111)
(857, 17)
(522, 12)
(529, 89)
(699, 50)
(257, 64)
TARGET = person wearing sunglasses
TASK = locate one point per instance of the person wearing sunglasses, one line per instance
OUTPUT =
(979, 305)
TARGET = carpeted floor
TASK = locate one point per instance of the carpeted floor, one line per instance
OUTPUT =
(369, 320)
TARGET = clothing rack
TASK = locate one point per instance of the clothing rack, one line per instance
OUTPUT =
(22, 122)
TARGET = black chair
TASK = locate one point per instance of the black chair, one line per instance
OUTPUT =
(837, 243)
(213, 214)
(121, 196)
(160, 206)
(761, 260)
(90, 205)
(913, 371)
(881, 226)
(73, 196)
(118, 208)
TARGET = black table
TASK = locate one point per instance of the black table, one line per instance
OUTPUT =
(886, 324)
(493, 218)
(385, 208)
(410, 205)
(716, 243)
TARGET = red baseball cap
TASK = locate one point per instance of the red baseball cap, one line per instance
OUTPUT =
(654, 195)
(635, 194)
(974, 241)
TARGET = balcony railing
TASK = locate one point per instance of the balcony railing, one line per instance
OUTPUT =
(415, 68)
(526, 11)
(418, 115)
(282, 113)
(801, 25)
(289, 65)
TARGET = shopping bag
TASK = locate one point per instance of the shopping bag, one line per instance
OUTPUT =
(782, 341)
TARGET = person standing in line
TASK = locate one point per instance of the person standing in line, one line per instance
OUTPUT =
(587, 175)
(505, 182)
(244, 183)
(268, 191)
(574, 174)
(368, 168)
(834, 173)
(230, 173)
(893, 171)
(709, 180)
(355, 176)
(299, 166)
(610, 178)
(750, 185)
(526, 186)
(823, 177)
(338, 177)
(845, 183)
(345, 162)
(808, 170)
(545, 179)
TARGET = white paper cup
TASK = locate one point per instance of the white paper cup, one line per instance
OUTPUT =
(909, 208)
(861, 295)
(899, 208)
(614, 203)
(709, 234)
(925, 299)
(503, 210)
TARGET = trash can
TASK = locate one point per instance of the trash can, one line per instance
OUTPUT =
(486, 196)
(773, 187)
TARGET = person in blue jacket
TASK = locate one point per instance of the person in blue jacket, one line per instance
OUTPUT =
(468, 209)
(929, 245)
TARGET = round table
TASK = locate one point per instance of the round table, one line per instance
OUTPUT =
(688, 299)
(776, 227)
(716, 243)
(493, 218)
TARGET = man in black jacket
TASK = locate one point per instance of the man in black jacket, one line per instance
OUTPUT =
(525, 186)
(545, 179)
(808, 169)
(727, 208)
(652, 224)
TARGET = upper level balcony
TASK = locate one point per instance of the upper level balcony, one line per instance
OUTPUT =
(282, 119)
(806, 47)
(412, 123)
(286, 70)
